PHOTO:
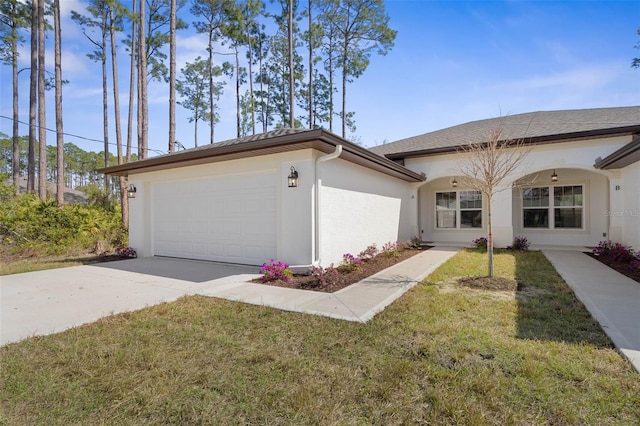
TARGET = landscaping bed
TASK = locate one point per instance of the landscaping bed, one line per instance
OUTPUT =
(625, 268)
(340, 279)
(619, 257)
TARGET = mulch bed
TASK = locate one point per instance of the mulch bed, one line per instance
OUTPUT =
(370, 267)
(623, 267)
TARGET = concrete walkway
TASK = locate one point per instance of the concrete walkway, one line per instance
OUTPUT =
(612, 298)
(51, 301)
(359, 302)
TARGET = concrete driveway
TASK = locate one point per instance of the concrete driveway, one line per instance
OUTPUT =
(45, 302)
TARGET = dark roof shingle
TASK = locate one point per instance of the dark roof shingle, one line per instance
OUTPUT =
(532, 125)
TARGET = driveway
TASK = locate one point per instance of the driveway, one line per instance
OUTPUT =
(45, 302)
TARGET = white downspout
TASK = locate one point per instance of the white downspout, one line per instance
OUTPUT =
(316, 210)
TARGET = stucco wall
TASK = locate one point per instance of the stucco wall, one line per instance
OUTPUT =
(358, 207)
(573, 161)
(427, 220)
(595, 205)
(295, 205)
(631, 212)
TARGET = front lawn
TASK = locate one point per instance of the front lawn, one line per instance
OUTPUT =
(441, 354)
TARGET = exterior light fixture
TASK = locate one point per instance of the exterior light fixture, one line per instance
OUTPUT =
(293, 178)
(554, 177)
(131, 191)
(454, 183)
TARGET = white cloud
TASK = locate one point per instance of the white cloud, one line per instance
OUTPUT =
(583, 78)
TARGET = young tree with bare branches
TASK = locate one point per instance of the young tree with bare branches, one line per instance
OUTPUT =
(486, 167)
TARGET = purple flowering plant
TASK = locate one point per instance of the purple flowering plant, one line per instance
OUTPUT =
(326, 276)
(126, 252)
(274, 271)
(615, 251)
(520, 244)
(368, 253)
(350, 263)
(391, 249)
(480, 243)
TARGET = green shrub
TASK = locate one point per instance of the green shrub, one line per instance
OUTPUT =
(29, 223)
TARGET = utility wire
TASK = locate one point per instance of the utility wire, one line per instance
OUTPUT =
(78, 136)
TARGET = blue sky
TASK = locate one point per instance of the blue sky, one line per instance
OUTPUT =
(452, 62)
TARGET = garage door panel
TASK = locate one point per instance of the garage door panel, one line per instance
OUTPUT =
(230, 219)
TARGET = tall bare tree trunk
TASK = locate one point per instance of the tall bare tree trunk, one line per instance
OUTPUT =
(33, 99)
(172, 77)
(132, 74)
(105, 101)
(142, 85)
(15, 158)
(292, 123)
(116, 105)
(212, 121)
(237, 91)
(343, 114)
(42, 113)
(59, 128)
(331, 84)
(252, 99)
(310, 66)
(195, 132)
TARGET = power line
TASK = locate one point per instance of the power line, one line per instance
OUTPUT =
(78, 136)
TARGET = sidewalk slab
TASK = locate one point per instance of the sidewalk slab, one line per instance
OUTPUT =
(612, 298)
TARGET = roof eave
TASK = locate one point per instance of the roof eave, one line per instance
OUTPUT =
(536, 140)
(316, 139)
(628, 154)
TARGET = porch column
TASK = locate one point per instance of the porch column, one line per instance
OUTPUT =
(615, 212)
(502, 218)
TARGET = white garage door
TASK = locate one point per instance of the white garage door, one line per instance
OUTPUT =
(226, 219)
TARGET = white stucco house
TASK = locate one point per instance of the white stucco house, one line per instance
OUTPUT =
(233, 201)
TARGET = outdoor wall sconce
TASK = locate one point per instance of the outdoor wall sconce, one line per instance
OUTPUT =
(454, 183)
(554, 177)
(293, 178)
(131, 191)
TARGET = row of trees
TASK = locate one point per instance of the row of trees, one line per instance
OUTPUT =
(79, 165)
(266, 45)
(268, 70)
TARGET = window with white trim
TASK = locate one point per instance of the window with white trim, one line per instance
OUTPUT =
(458, 209)
(562, 210)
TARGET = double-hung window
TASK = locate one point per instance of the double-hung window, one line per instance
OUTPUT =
(458, 209)
(553, 207)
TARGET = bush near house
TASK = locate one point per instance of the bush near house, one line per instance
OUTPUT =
(519, 244)
(623, 259)
(480, 243)
(352, 269)
(29, 224)
(274, 271)
(615, 251)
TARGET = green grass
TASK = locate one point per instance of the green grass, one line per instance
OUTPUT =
(441, 354)
(41, 263)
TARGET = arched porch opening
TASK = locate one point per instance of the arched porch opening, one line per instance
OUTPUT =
(562, 207)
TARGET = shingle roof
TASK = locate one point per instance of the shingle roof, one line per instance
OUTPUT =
(546, 125)
(273, 142)
(251, 138)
